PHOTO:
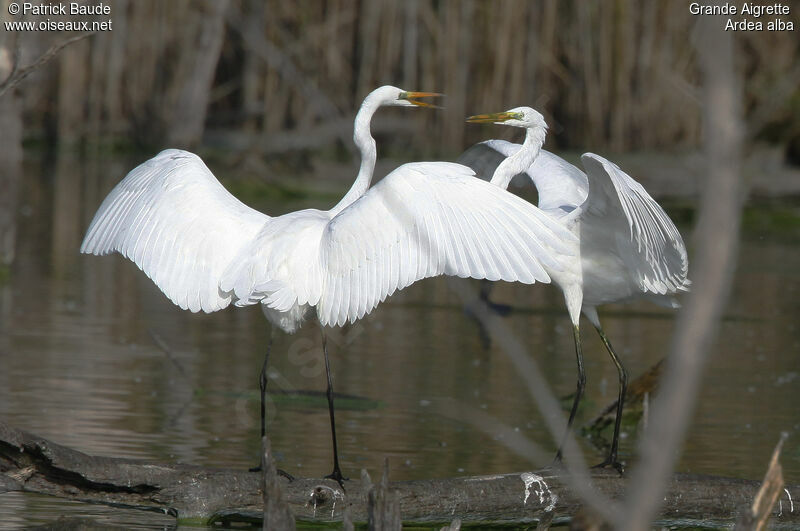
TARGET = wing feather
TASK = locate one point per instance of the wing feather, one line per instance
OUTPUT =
(498, 249)
(657, 256)
(178, 224)
(425, 219)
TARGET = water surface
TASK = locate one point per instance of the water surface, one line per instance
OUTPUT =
(79, 365)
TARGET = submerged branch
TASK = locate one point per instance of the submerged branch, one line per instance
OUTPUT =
(32, 464)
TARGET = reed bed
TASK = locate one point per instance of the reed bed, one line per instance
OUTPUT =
(615, 75)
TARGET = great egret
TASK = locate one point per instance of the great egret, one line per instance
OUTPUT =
(627, 246)
(206, 250)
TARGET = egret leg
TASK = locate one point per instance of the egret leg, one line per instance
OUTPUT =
(623, 387)
(579, 390)
(262, 385)
(337, 473)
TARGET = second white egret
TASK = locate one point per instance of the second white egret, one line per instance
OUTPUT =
(626, 246)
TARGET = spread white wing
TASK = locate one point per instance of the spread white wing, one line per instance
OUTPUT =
(428, 219)
(178, 224)
(654, 251)
(205, 249)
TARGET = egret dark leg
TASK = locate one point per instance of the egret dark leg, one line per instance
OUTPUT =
(262, 385)
(337, 473)
(623, 388)
(579, 390)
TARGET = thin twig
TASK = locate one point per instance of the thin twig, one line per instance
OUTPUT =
(157, 339)
(716, 243)
(18, 74)
(578, 474)
(490, 425)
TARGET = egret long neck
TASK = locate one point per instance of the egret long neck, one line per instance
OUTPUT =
(369, 153)
(522, 159)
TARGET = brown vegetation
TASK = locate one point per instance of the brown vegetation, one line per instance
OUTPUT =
(616, 75)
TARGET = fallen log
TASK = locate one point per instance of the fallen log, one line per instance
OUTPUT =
(32, 464)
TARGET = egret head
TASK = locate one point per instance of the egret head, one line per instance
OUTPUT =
(524, 117)
(389, 95)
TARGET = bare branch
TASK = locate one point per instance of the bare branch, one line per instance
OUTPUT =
(18, 74)
(578, 474)
(716, 243)
(29, 463)
(513, 440)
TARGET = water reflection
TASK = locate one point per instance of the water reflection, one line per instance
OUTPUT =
(80, 366)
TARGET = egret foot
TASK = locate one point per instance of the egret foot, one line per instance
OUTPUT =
(278, 470)
(558, 463)
(612, 463)
(337, 476)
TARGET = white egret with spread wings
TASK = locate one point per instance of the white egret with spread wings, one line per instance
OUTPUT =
(207, 250)
(626, 246)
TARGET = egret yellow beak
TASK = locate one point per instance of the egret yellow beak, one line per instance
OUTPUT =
(494, 118)
(411, 97)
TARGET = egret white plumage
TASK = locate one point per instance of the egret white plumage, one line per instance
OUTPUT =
(206, 250)
(626, 245)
